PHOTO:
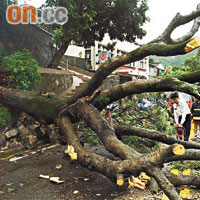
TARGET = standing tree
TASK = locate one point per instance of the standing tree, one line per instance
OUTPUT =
(87, 104)
(89, 21)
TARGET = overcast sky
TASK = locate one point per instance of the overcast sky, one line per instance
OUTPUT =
(161, 12)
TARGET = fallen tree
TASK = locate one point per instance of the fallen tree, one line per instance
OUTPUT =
(87, 104)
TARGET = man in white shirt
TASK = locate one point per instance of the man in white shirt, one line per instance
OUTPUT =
(182, 114)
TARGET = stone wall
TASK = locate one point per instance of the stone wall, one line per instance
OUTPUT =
(56, 83)
(21, 36)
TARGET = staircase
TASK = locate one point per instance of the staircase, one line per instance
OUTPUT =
(79, 82)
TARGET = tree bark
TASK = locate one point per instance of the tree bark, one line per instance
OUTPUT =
(164, 183)
(85, 107)
(32, 103)
(178, 180)
(103, 128)
(137, 87)
(153, 135)
(58, 55)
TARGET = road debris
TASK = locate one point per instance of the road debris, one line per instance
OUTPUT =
(56, 180)
(44, 176)
(14, 159)
(70, 152)
(58, 166)
(75, 192)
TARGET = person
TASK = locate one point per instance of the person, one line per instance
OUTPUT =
(195, 110)
(182, 114)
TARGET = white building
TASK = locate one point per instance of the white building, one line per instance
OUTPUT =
(156, 69)
(98, 54)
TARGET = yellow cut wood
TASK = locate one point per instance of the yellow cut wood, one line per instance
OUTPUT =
(174, 171)
(192, 44)
(179, 149)
(136, 183)
(70, 151)
(120, 179)
(187, 172)
(144, 178)
(164, 197)
(185, 193)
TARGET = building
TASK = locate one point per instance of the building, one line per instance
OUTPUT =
(156, 69)
(99, 54)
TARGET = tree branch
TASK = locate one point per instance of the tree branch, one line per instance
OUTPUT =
(136, 87)
(190, 154)
(154, 135)
(164, 183)
(157, 47)
(31, 103)
(103, 129)
(193, 77)
(183, 179)
(177, 21)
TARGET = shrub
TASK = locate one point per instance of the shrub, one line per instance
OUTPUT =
(5, 117)
(22, 69)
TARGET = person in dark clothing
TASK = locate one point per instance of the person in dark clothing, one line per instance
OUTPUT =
(182, 114)
(195, 110)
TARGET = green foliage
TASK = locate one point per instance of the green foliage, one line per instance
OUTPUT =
(58, 36)
(92, 137)
(52, 95)
(155, 118)
(5, 117)
(173, 60)
(22, 69)
(87, 65)
(130, 114)
(193, 62)
(182, 165)
(89, 20)
(177, 70)
(139, 146)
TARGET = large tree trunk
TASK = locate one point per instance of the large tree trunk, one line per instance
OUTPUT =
(58, 55)
(86, 105)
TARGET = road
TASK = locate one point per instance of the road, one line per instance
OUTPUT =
(19, 180)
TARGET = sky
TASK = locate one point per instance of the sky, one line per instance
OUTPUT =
(160, 12)
(36, 3)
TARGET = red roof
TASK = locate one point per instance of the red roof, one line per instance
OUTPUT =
(124, 67)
